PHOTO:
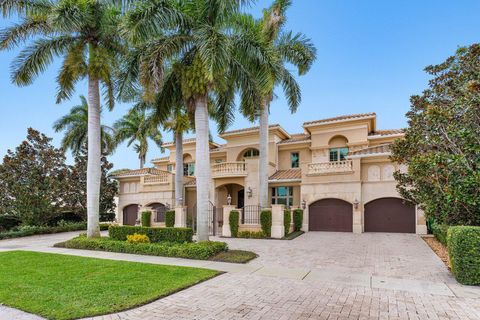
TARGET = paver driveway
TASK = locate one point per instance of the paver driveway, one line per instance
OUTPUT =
(316, 276)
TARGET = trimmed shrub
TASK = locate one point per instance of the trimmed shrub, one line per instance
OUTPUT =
(298, 219)
(464, 251)
(170, 218)
(266, 222)
(138, 238)
(195, 250)
(287, 219)
(233, 220)
(178, 235)
(8, 222)
(251, 234)
(146, 218)
(25, 231)
(440, 232)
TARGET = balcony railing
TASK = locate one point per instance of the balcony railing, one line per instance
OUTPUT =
(332, 167)
(157, 179)
(229, 169)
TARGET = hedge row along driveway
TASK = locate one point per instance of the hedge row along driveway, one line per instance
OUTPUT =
(69, 287)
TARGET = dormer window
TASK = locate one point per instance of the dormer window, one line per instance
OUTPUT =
(250, 153)
(338, 154)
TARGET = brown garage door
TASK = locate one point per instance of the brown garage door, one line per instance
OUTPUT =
(389, 215)
(330, 215)
(130, 215)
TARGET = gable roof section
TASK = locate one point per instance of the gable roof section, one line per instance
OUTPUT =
(296, 138)
(290, 174)
(255, 129)
(341, 118)
(140, 172)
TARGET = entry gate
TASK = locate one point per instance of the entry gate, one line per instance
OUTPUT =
(215, 219)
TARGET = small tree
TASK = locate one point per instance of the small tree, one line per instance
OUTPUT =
(442, 143)
(34, 180)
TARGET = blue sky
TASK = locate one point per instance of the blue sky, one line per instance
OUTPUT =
(371, 55)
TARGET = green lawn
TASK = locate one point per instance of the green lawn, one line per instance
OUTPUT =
(67, 287)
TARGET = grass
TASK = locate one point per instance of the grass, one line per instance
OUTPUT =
(68, 287)
(235, 256)
(293, 235)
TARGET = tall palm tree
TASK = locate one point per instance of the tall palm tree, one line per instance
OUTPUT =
(202, 46)
(296, 50)
(84, 35)
(75, 125)
(137, 127)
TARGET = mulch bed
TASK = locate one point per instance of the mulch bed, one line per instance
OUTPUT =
(439, 249)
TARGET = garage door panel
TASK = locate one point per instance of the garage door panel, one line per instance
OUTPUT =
(389, 215)
(330, 215)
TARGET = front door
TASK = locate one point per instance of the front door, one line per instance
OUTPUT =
(241, 198)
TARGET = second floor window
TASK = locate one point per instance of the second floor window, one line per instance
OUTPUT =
(338, 154)
(295, 160)
(169, 167)
(250, 153)
(189, 169)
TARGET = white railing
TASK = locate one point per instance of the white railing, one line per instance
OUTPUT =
(321, 168)
(163, 178)
(229, 169)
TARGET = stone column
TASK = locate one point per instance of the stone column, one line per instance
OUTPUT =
(278, 229)
(226, 220)
(357, 218)
(180, 217)
(421, 223)
(305, 220)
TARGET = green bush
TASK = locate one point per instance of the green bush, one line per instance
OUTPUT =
(297, 219)
(464, 251)
(266, 222)
(440, 232)
(8, 222)
(233, 220)
(178, 235)
(25, 231)
(287, 219)
(251, 234)
(146, 218)
(170, 218)
(192, 250)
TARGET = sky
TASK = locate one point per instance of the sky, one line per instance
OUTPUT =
(370, 58)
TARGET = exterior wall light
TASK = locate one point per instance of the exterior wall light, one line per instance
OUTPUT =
(356, 203)
(229, 199)
(304, 204)
(249, 192)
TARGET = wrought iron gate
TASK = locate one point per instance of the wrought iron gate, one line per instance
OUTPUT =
(251, 214)
(215, 219)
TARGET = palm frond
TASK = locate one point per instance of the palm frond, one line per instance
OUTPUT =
(21, 32)
(298, 50)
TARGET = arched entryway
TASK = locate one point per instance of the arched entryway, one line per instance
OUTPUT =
(389, 215)
(158, 210)
(130, 215)
(330, 215)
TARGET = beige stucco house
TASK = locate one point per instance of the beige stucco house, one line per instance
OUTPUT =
(338, 170)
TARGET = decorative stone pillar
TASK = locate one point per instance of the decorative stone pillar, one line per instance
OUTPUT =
(305, 219)
(357, 218)
(421, 223)
(278, 228)
(226, 220)
(180, 217)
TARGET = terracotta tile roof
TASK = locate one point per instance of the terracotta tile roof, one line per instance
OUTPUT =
(297, 137)
(160, 159)
(250, 129)
(340, 118)
(384, 148)
(140, 172)
(289, 174)
(386, 132)
(189, 140)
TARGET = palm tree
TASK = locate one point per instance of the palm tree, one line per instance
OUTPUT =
(296, 50)
(202, 46)
(84, 35)
(75, 125)
(137, 126)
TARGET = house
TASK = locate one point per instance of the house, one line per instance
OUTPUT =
(338, 170)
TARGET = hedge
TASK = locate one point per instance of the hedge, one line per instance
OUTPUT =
(170, 218)
(440, 232)
(464, 251)
(233, 220)
(8, 222)
(251, 234)
(297, 219)
(178, 235)
(26, 231)
(192, 250)
(146, 218)
(266, 222)
(287, 219)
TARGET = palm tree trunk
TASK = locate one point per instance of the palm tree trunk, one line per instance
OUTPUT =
(202, 167)
(142, 161)
(93, 159)
(178, 168)
(263, 165)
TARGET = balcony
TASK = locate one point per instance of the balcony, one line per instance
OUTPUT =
(333, 167)
(229, 169)
(162, 178)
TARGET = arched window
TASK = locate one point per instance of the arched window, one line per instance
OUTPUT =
(338, 150)
(250, 153)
